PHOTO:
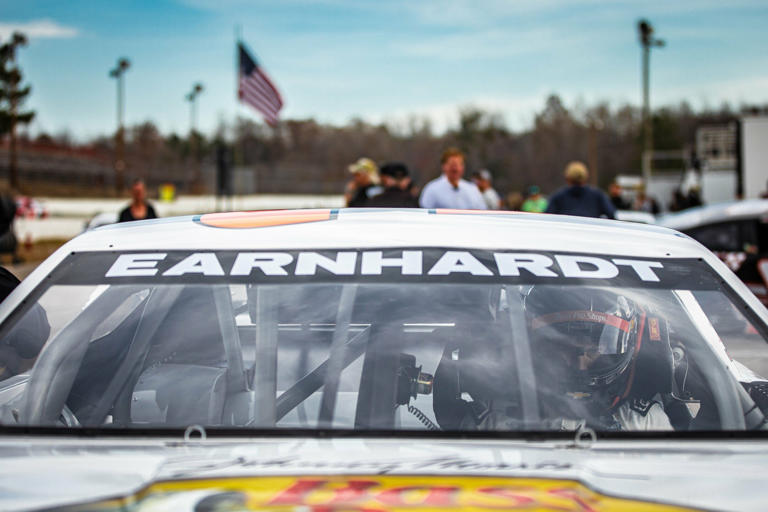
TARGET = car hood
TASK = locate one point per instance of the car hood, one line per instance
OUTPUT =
(381, 474)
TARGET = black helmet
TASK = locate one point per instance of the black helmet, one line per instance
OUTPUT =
(585, 338)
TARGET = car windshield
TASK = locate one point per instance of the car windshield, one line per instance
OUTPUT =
(382, 340)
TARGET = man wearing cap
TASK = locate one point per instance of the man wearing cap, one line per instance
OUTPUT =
(364, 183)
(483, 181)
(396, 181)
(536, 203)
(449, 190)
(578, 198)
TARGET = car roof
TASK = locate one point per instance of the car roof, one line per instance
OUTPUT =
(367, 228)
(721, 212)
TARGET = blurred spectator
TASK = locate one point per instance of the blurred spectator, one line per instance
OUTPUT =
(679, 201)
(577, 198)
(482, 180)
(645, 203)
(515, 201)
(139, 209)
(8, 241)
(449, 190)
(536, 203)
(764, 195)
(396, 180)
(27, 207)
(364, 183)
(20, 347)
(617, 199)
(8, 282)
(694, 197)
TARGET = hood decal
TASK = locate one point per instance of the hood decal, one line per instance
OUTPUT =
(371, 494)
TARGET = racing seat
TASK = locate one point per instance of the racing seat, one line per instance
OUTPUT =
(179, 395)
(472, 368)
(187, 371)
(654, 371)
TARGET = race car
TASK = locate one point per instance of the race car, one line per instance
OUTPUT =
(382, 359)
(737, 232)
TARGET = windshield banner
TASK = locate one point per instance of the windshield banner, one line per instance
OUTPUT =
(383, 265)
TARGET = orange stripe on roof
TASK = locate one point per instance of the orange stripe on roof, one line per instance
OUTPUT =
(261, 219)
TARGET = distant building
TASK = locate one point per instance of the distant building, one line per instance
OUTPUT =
(733, 158)
(717, 159)
(753, 156)
(716, 145)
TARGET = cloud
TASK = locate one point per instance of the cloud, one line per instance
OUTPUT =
(517, 111)
(486, 44)
(38, 29)
(739, 90)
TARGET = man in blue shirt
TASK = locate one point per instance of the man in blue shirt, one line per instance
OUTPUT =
(578, 198)
(449, 190)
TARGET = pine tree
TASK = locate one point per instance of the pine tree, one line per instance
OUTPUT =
(12, 97)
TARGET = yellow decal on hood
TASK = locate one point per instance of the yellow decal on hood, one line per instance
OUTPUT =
(374, 494)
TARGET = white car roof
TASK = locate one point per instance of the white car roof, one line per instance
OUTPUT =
(364, 228)
(721, 212)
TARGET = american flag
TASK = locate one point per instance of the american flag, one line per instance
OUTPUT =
(256, 89)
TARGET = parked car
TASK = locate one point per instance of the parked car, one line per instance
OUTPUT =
(737, 232)
(635, 216)
(382, 360)
(101, 219)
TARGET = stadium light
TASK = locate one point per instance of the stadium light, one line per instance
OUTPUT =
(191, 97)
(647, 41)
(122, 66)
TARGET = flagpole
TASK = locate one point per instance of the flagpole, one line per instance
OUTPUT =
(238, 29)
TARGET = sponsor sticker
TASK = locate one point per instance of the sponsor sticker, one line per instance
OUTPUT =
(653, 329)
(375, 494)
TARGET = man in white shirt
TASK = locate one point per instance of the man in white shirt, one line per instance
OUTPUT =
(449, 190)
(483, 181)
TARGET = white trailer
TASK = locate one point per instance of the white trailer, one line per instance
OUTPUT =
(753, 156)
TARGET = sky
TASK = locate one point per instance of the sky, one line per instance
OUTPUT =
(382, 61)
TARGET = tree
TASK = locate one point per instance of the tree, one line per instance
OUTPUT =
(12, 97)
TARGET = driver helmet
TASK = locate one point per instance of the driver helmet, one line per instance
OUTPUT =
(584, 338)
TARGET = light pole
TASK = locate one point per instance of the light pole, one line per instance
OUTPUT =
(191, 97)
(594, 126)
(122, 66)
(647, 41)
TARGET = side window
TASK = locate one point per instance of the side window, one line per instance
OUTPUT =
(749, 234)
(719, 237)
(762, 235)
